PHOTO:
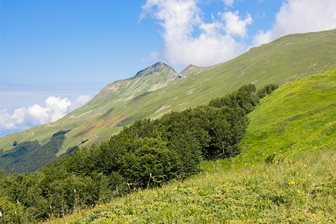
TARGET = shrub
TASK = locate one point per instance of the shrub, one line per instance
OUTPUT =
(245, 97)
(148, 162)
(12, 212)
(266, 90)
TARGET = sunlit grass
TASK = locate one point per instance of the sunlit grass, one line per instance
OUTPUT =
(298, 117)
(301, 191)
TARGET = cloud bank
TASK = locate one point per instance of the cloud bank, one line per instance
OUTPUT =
(53, 109)
(188, 39)
(300, 16)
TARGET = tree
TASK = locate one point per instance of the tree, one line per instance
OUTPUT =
(266, 90)
(12, 212)
(245, 98)
(148, 162)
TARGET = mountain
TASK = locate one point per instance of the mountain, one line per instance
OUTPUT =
(26, 155)
(159, 89)
(150, 79)
(286, 172)
(191, 69)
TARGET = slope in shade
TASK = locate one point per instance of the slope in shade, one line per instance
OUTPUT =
(29, 156)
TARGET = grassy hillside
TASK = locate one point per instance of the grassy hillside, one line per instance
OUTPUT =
(300, 116)
(297, 124)
(289, 192)
(281, 61)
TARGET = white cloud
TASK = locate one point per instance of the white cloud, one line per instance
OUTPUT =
(263, 37)
(53, 109)
(300, 16)
(80, 101)
(215, 41)
(234, 25)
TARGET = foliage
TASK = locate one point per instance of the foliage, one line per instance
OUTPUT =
(147, 161)
(11, 212)
(289, 191)
(266, 90)
(244, 98)
(148, 153)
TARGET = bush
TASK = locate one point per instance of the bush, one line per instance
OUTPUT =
(227, 127)
(148, 162)
(245, 98)
(266, 90)
(12, 212)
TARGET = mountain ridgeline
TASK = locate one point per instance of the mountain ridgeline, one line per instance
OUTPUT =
(148, 80)
(159, 89)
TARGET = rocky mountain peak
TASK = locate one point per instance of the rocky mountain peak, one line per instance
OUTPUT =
(157, 67)
(190, 69)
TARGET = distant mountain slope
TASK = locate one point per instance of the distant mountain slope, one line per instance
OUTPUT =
(29, 156)
(191, 69)
(159, 89)
(150, 79)
(100, 107)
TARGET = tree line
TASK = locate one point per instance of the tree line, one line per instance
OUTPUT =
(147, 153)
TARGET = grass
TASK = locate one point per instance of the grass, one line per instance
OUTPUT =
(297, 125)
(279, 62)
(300, 116)
(300, 191)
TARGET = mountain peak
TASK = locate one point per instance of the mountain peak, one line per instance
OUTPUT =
(190, 69)
(159, 66)
(149, 79)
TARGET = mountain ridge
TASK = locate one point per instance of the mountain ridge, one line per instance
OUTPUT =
(191, 69)
(160, 73)
(153, 69)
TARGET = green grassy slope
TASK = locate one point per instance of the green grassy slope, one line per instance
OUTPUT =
(281, 61)
(297, 122)
(291, 192)
(300, 116)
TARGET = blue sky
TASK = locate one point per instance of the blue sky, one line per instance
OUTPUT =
(47, 44)
(70, 49)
